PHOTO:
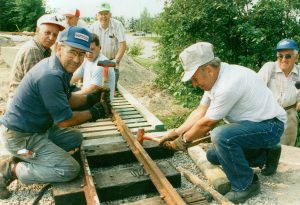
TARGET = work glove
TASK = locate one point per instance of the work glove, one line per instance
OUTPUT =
(98, 111)
(94, 97)
(178, 144)
(168, 137)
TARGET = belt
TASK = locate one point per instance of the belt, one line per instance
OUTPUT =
(289, 107)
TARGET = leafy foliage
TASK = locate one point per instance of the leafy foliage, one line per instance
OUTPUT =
(241, 32)
(20, 15)
(135, 48)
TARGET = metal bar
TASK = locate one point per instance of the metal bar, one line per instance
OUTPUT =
(89, 185)
(163, 186)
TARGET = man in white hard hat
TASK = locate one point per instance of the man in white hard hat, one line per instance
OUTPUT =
(240, 97)
(34, 50)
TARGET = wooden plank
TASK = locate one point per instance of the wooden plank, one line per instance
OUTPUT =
(69, 192)
(159, 126)
(134, 120)
(123, 106)
(120, 103)
(95, 124)
(133, 112)
(190, 196)
(120, 110)
(215, 175)
(129, 181)
(119, 153)
(131, 116)
(96, 143)
(93, 135)
(98, 129)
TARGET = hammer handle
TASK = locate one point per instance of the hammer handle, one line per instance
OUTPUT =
(105, 76)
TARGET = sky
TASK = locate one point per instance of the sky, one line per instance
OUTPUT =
(125, 8)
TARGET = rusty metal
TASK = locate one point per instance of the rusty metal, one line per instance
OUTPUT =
(163, 186)
(89, 185)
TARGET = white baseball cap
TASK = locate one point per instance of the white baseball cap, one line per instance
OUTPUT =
(195, 56)
(71, 12)
(50, 19)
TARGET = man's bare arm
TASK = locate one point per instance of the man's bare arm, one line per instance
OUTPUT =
(195, 116)
(87, 90)
(121, 51)
(76, 119)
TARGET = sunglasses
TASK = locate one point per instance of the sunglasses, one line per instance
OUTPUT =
(286, 56)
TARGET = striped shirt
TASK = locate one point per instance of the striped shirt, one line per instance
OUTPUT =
(109, 37)
(29, 54)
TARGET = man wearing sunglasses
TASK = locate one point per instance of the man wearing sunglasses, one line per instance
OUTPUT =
(281, 76)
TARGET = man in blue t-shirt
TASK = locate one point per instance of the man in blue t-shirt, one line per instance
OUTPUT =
(36, 127)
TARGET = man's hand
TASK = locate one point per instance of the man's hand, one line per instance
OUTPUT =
(98, 112)
(177, 144)
(169, 137)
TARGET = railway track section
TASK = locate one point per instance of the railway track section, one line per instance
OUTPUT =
(115, 165)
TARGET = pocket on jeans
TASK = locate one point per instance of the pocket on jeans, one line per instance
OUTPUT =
(13, 144)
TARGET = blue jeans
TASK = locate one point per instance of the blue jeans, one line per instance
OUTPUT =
(232, 144)
(52, 162)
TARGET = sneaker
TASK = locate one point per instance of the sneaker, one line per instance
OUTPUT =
(273, 156)
(241, 196)
(6, 177)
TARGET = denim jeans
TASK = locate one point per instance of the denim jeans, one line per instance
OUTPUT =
(51, 162)
(237, 146)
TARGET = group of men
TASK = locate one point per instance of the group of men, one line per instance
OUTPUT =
(36, 127)
(42, 107)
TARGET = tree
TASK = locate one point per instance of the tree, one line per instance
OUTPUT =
(20, 14)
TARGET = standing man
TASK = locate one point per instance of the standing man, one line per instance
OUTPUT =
(34, 50)
(281, 76)
(238, 95)
(91, 73)
(72, 18)
(112, 36)
(36, 128)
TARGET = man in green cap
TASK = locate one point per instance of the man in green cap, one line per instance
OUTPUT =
(111, 34)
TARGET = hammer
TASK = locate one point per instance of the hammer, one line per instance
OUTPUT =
(105, 64)
(141, 137)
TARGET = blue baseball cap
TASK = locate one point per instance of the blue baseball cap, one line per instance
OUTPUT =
(76, 37)
(287, 44)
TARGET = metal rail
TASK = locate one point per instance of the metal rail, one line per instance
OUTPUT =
(163, 186)
(89, 188)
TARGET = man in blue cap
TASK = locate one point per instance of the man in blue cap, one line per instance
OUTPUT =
(36, 129)
(281, 76)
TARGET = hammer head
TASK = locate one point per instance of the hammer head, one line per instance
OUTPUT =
(140, 135)
(106, 63)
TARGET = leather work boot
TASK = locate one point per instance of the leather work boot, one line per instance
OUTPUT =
(6, 177)
(241, 196)
(273, 156)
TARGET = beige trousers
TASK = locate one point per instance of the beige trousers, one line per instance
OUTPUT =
(290, 134)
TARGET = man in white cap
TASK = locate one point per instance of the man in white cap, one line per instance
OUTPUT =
(281, 76)
(240, 97)
(37, 128)
(111, 34)
(34, 50)
(72, 18)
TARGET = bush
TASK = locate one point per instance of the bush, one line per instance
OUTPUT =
(135, 49)
(241, 33)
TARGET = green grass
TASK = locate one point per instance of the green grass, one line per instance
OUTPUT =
(173, 121)
(149, 38)
(145, 62)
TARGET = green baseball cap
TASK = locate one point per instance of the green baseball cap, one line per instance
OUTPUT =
(104, 7)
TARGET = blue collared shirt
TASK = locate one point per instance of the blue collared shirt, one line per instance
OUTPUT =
(41, 98)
